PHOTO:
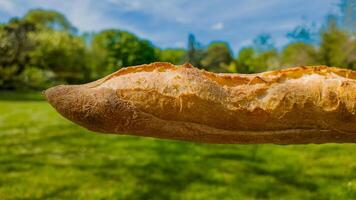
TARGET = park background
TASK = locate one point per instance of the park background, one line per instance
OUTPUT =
(44, 156)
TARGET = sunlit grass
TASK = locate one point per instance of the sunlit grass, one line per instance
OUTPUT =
(44, 156)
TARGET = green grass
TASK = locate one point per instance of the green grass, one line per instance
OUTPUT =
(44, 156)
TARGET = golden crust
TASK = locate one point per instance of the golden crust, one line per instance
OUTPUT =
(297, 105)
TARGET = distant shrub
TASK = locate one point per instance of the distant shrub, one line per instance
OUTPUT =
(35, 78)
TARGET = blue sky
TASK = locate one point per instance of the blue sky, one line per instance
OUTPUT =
(167, 23)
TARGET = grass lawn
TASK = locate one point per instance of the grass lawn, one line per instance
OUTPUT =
(44, 156)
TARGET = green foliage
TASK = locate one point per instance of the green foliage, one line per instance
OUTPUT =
(48, 19)
(268, 60)
(304, 33)
(34, 78)
(175, 56)
(14, 48)
(251, 61)
(245, 60)
(299, 53)
(41, 40)
(116, 49)
(217, 57)
(8, 76)
(337, 48)
(44, 156)
(263, 42)
(195, 51)
(61, 53)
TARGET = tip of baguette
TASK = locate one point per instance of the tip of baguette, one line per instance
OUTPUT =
(64, 98)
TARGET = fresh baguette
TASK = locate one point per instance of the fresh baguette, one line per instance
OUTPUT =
(289, 106)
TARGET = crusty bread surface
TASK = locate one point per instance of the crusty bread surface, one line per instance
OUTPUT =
(289, 106)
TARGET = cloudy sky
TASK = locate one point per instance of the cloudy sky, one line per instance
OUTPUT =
(167, 23)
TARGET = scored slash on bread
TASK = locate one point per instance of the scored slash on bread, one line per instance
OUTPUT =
(289, 106)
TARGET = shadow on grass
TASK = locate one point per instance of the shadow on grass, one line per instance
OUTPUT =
(171, 171)
(288, 175)
(56, 193)
(235, 157)
(175, 179)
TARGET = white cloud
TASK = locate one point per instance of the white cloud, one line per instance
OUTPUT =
(243, 43)
(217, 26)
(179, 44)
(281, 41)
(86, 17)
(83, 14)
(7, 6)
(127, 5)
(183, 20)
(177, 11)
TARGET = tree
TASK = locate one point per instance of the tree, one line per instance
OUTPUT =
(260, 57)
(61, 53)
(245, 60)
(48, 19)
(116, 49)
(175, 56)
(299, 53)
(250, 61)
(337, 48)
(35, 46)
(303, 33)
(195, 52)
(268, 60)
(263, 42)
(14, 47)
(217, 57)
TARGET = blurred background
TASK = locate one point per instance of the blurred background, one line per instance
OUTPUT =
(45, 43)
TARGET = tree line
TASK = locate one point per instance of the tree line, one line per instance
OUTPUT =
(43, 48)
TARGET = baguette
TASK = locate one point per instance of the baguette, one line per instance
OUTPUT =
(289, 106)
